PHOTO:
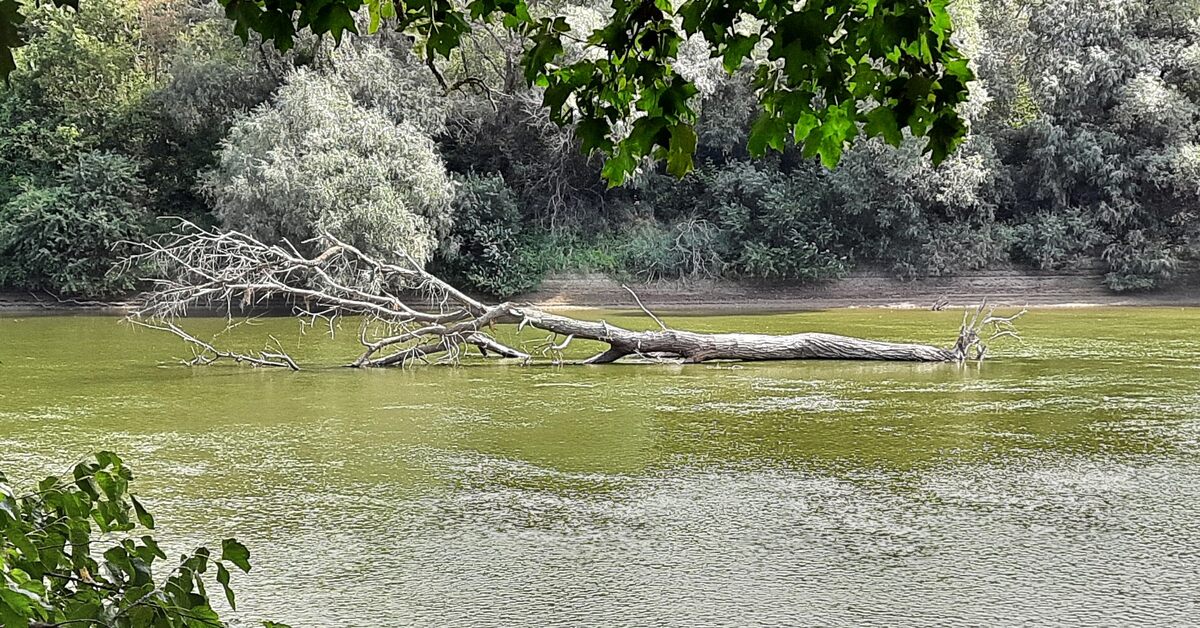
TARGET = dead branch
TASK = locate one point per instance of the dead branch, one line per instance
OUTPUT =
(209, 354)
(661, 324)
(409, 315)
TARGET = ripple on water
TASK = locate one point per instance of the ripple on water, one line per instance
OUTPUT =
(1057, 485)
(1049, 540)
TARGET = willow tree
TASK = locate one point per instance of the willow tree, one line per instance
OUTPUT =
(314, 160)
(405, 314)
(824, 72)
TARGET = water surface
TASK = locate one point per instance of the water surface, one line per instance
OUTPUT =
(1058, 484)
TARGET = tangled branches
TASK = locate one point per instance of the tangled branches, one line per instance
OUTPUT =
(978, 330)
(232, 271)
(408, 315)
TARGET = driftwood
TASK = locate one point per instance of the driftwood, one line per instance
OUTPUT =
(195, 268)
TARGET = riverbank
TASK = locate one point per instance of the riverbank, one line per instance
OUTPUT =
(862, 290)
(1000, 287)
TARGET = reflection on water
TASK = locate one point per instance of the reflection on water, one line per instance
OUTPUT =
(1057, 484)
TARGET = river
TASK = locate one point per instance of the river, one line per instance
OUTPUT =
(1056, 484)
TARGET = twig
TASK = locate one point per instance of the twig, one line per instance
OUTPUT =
(644, 309)
(276, 358)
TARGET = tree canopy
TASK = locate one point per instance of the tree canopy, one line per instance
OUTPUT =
(1081, 154)
(823, 72)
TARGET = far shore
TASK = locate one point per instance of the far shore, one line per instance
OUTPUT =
(590, 291)
(861, 290)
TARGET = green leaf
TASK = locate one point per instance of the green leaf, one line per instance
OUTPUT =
(22, 543)
(837, 129)
(236, 553)
(20, 601)
(10, 616)
(617, 167)
(10, 35)
(941, 24)
(881, 122)
(804, 127)
(767, 131)
(338, 20)
(683, 146)
(738, 48)
(143, 517)
(373, 14)
(555, 97)
(152, 545)
(108, 459)
(545, 49)
(223, 578)
(108, 484)
(593, 135)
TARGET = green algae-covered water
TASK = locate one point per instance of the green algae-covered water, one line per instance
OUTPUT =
(1057, 484)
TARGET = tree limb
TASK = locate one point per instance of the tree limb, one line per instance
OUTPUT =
(422, 316)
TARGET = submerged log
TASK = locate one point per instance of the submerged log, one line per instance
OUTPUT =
(233, 271)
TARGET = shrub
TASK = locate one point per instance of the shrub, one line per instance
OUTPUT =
(484, 250)
(772, 225)
(644, 251)
(314, 161)
(66, 238)
(1138, 262)
(393, 83)
(1052, 240)
(944, 249)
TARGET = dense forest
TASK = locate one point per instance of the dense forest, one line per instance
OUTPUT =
(1084, 149)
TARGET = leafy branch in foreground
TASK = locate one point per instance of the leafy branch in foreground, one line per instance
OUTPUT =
(824, 72)
(50, 575)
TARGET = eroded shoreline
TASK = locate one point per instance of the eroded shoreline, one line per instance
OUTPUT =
(585, 291)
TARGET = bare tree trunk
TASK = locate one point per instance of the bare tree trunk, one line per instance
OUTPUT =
(235, 272)
(699, 347)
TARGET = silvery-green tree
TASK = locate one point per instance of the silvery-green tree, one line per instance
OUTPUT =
(1106, 150)
(314, 160)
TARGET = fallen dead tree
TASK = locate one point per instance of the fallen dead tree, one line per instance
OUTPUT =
(197, 268)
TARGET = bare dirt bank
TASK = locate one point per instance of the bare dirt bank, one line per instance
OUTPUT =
(1001, 287)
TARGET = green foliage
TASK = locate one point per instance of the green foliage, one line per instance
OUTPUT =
(82, 69)
(1052, 240)
(917, 219)
(391, 82)
(52, 572)
(815, 64)
(67, 237)
(648, 251)
(1082, 148)
(484, 251)
(77, 88)
(770, 222)
(539, 160)
(1137, 262)
(314, 161)
(1107, 162)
